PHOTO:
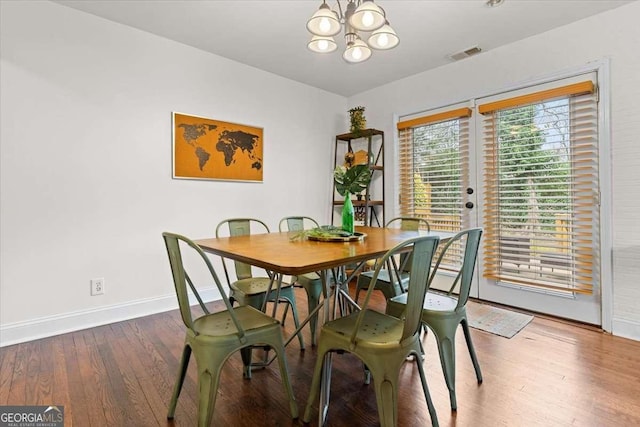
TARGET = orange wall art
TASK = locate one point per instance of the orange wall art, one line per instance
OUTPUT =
(210, 149)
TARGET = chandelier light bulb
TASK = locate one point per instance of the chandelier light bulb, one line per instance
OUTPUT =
(325, 25)
(324, 22)
(367, 17)
(357, 51)
(384, 38)
(322, 44)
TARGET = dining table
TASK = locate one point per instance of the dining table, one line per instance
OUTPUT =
(292, 254)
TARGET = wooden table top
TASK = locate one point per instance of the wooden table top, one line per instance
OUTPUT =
(277, 252)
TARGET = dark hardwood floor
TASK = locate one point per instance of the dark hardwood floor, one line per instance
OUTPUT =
(550, 374)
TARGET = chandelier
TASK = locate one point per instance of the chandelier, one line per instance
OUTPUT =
(360, 15)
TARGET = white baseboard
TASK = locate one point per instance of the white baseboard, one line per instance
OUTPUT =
(18, 332)
(626, 329)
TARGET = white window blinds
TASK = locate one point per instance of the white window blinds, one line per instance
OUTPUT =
(433, 164)
(541, 193)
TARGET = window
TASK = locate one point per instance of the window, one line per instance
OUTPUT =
(434, 159)
(434, 171)
(538, 156)
(541, 194)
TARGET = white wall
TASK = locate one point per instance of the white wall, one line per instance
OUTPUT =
(614, 35)
(86, 185)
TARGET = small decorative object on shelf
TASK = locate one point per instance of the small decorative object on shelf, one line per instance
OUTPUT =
(349, 181)
(358, 122)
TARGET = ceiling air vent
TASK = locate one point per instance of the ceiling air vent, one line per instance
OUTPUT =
(465, 53)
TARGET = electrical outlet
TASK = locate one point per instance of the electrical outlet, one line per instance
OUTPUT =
(97, 286)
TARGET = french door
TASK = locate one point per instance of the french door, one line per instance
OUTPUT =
(523, 165)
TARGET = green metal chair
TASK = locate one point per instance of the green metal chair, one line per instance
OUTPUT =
(250, 290)
(311, 282)
(443, 313)
(387, 282)
(214, 337)
(382, 342)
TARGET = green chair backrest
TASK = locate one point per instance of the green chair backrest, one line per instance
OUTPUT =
(464, 277)
(421, 251)
(406, 223)
(181, 279)
(240, 227)
(409, 223)
(296, 223)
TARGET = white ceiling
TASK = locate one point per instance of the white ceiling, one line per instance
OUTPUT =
(271, 35)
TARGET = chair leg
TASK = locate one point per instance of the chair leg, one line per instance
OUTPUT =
(447, 352)
(210, 366)
(245, 353)
(314, 290)
(425, 389)
(387, 400)
(315, 386)
(472, 352)
(357, 293)
(296, 320)
(284, 314)
(362, 284)
(182, 372)
(208, 385)
(284, 374)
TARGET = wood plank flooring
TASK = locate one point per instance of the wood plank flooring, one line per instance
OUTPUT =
(552, 373)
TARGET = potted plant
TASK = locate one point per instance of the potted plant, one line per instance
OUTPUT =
(357, 119)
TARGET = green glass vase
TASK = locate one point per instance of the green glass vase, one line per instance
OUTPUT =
(347, 214)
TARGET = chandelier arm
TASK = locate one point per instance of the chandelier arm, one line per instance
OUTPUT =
(340, 9)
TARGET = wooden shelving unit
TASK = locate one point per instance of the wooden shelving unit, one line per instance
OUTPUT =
(370, 209)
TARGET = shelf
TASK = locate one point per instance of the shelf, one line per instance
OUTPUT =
(360, 202)
(365, 133)
(371, 141)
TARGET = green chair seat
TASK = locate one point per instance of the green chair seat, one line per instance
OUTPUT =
(221, 324)
(253, 286)
(376, 331)
(433, 302)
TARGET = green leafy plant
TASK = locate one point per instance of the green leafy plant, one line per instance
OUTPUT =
(351, 180)
(322, 232)
(357, 119)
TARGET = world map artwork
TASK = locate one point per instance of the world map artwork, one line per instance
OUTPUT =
(211, 149)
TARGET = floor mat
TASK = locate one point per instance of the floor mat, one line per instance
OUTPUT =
(495, 320)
